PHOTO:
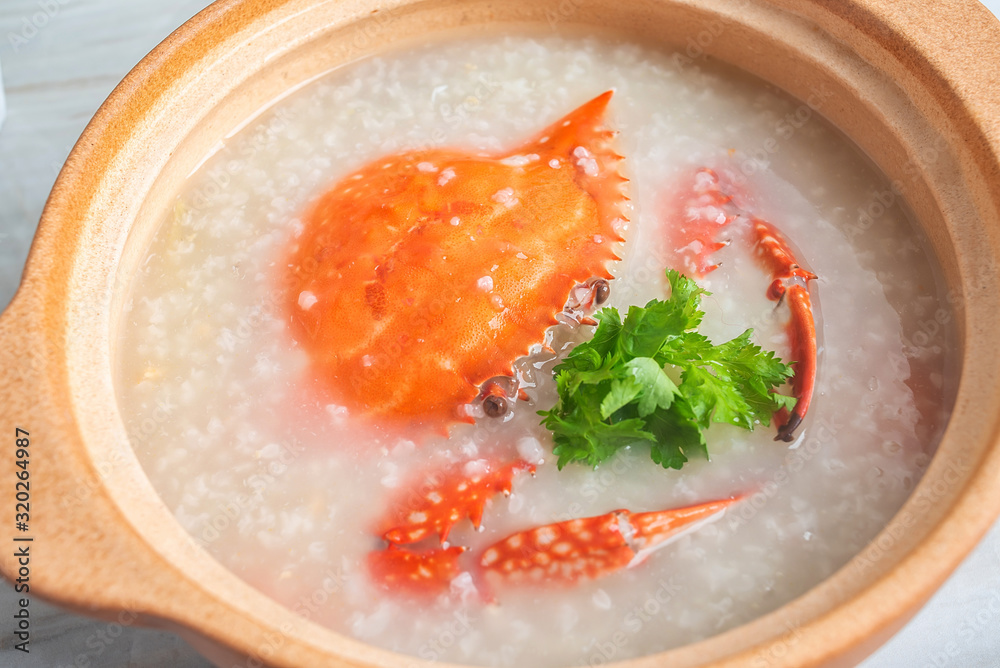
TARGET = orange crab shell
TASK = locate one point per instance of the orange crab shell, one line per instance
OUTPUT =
(423, 274)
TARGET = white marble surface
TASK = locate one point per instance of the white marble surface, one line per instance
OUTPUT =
(60, 59)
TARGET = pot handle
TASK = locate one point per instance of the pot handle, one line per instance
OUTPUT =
(70, 543)
(75, 546)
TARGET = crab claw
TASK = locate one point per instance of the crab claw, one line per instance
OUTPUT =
(421, 573)
(447, 497)
(695, 222)
(791, 286)
(592, 547)
(802, 334)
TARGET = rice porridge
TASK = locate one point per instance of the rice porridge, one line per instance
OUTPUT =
(281, 483)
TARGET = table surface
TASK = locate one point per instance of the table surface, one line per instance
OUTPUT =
(60, 59)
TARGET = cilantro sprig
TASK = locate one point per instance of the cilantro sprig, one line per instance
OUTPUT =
(652, 378)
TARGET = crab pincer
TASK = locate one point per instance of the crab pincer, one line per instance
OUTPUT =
(446, 498)
(790, 285)
(592, 547)
(693, 235)
(420, 573)
(428, 511)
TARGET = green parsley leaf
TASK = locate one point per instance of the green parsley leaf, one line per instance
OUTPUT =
(678, 438)
(609, 325)
(618, 389)
(657, 390)
(621, 394)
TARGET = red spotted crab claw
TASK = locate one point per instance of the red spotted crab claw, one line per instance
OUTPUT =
(417, 572)
(693, 231)
(425, 274)
(427, 511)
(592, 547)
(448, 497)
(419, 561)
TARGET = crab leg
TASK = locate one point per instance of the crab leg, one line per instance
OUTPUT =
(592, 547)
(790, 285)
(693, 236)
(802, 333)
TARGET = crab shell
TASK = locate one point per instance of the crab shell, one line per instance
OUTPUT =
(424, 274)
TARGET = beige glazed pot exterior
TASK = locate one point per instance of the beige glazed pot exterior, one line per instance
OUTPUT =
(914, 85)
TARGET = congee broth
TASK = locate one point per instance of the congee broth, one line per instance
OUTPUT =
(289, 484)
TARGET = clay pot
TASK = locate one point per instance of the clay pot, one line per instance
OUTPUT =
(913, 84)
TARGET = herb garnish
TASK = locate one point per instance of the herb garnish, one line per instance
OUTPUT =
(619, 388)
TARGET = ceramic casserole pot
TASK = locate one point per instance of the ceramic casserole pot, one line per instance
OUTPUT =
(906, 79)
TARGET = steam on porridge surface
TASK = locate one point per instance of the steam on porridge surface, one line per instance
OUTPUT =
(281, 486)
